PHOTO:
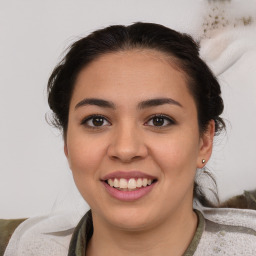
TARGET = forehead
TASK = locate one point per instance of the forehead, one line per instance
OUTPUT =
(135, 73)
(134, 60)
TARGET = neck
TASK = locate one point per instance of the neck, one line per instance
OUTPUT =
(171, 237)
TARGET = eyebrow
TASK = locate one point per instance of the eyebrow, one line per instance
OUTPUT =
(158, 102)
(95, 102)
(142, 105)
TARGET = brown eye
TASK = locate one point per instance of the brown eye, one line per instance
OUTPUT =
(95, 121)
(160, 121)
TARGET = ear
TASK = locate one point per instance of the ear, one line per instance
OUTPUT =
(67, 153)
(66, 150)
(206, 143)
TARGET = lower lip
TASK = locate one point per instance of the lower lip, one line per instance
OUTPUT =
(128, 195)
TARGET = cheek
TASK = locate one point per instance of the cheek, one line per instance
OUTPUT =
(85, 155)
(85, 158)
(176, 154)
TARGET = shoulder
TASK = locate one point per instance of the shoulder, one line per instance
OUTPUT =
(45, 235)
(7, 228)
(228, 231)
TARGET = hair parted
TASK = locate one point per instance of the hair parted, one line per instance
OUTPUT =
(180, 47)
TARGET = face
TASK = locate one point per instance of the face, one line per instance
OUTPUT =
(133, 141)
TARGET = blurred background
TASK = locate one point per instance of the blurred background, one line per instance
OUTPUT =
(34, 174)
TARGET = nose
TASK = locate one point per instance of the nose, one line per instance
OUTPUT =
(127, 144)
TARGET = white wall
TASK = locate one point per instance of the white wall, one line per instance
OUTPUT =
(34, 175)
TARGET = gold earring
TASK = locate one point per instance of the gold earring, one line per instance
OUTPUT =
(203, 161)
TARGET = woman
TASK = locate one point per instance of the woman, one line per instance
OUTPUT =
(138, 109)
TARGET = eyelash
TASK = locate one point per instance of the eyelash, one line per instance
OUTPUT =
(169, 120)
(90, 118)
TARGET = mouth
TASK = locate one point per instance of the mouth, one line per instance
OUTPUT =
(131, 184)
(128, 186)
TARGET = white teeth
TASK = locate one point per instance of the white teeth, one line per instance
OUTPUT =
(149, 182)
(132, 183)
(129, 184)
(144, 182)
(111, 183)
(123, 183)
(139, 183)
(116, 183)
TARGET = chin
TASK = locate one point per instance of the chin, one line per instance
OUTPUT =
(131, 219)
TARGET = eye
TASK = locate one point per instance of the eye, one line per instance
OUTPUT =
(95, 121)
(159, 121)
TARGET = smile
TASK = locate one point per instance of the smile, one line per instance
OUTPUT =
(128, 186)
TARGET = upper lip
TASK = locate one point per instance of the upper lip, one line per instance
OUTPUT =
(127, 175)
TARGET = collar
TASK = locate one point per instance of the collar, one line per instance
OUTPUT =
(84, 230)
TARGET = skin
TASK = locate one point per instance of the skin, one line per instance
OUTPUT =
(163, 221)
